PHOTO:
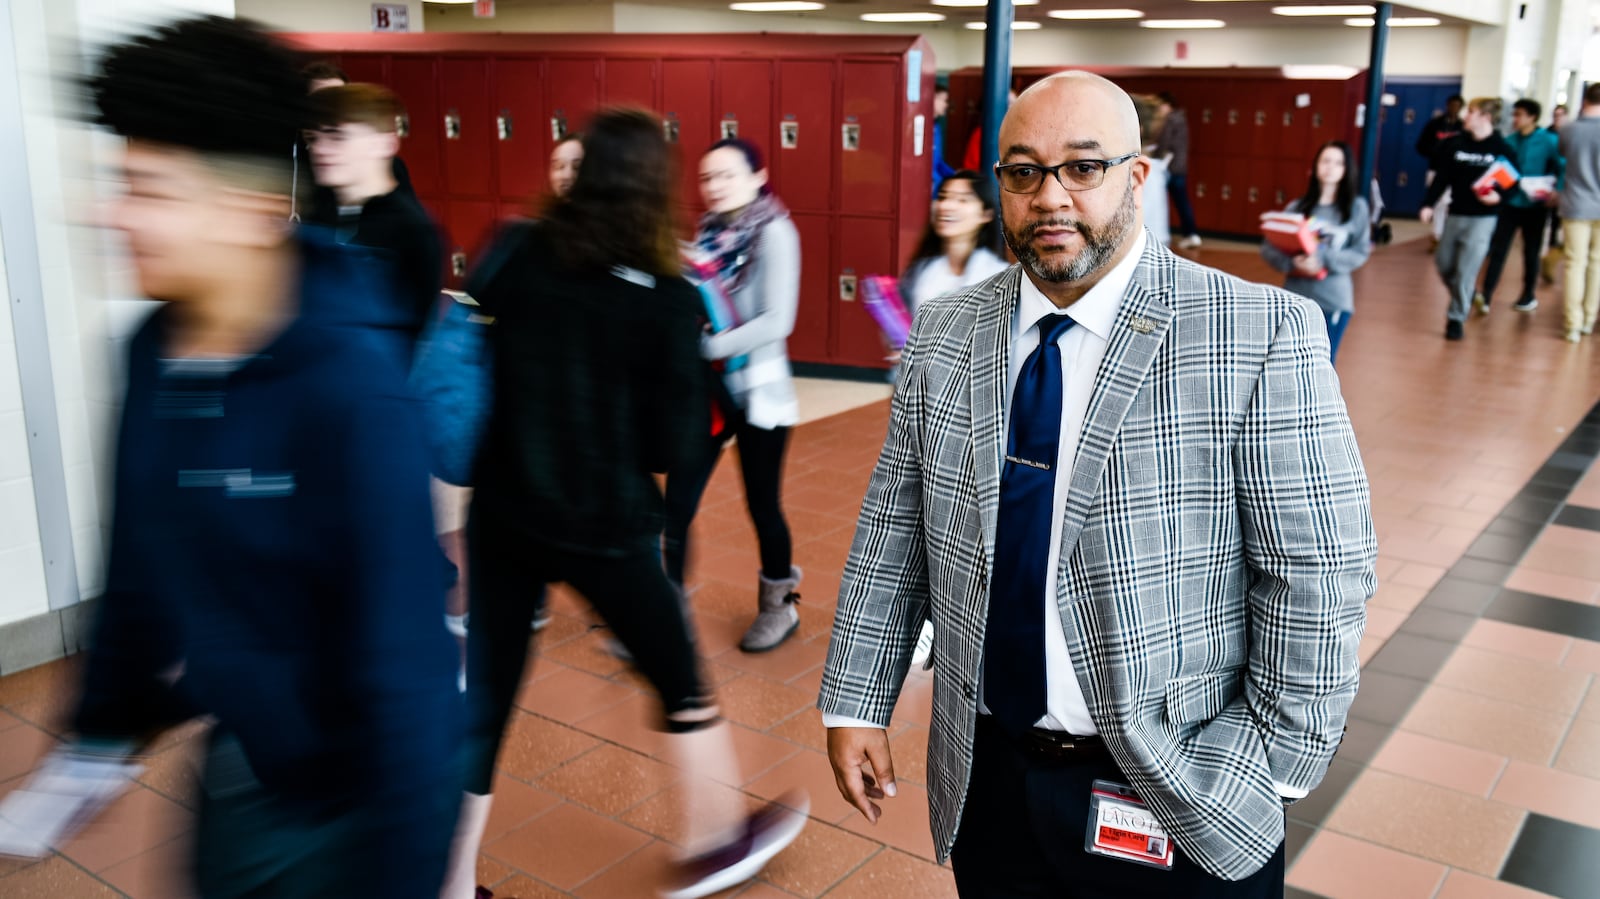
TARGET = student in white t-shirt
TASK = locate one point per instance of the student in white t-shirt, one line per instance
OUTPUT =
(960, 246)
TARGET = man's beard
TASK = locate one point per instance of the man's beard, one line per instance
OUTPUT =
(1099, 244)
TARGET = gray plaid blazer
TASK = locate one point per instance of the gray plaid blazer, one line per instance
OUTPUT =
(1216, 558)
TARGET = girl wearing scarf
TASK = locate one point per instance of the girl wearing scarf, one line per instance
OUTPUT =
(748, 244)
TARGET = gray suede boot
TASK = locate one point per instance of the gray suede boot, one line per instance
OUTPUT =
(777, 618)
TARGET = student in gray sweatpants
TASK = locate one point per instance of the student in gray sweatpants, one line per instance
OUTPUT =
(1460, 161)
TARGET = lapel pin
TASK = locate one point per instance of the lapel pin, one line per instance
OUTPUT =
(1142, 325)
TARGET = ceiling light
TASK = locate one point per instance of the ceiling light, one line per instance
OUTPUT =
(1093, 14)
(1182, 23)
(777, 6)
(1015, 26)
(1320, 73)
(1397, 22)
(1349, 9)
(902, 17)
(980, 3)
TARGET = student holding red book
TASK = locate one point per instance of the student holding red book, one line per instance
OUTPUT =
(1460, 162)
(1338, 213)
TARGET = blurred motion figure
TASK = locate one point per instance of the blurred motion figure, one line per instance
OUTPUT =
(272, 557)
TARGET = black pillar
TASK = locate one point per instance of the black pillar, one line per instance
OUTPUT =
(996, 79)
(1369, 133)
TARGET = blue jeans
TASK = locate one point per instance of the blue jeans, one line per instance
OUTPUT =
(1337, 322)
(1178, 190)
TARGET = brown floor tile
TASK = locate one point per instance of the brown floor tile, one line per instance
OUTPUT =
(1458, 768)
(895, 875)
(1479, 722)
(1465, 885)
(567, 846)
(909, 749)
(56, 878)
(757, 752)
(521, 886)
(609, 779)
(1432, 822)
(804, 729)
(1398, 597)
(760, 890)
(161, 873)
(1580, 753)
(22, 749)
(916, 700)
(589, 653)
(640, 874)
(1511, 639)
(632, 723)
(137, 822)
(760, 703)
(903, 825)
(1414, 574)
(1590, 710)
(1557, 794)
(724, 599)
(810, 773)
(1338, 867)
(175, 772)
(1532, 580)
(1584, 656)
(662, 815)
(533, 746)
(567, 694)
(1566, 551)
(492, 872)
(790, 660)
(1544, 686)
(1382, 622)
(818, 859)
(515, 804)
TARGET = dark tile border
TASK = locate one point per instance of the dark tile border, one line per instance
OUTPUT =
(1546, 613)
(1579, 517)
(1556, 857)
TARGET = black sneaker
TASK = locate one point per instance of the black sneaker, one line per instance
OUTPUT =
(1526, 304)
(765, 834)
(1453, 331)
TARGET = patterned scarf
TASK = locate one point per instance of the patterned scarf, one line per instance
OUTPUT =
(726, 241)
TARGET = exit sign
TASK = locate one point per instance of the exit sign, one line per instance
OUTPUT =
(483, 9)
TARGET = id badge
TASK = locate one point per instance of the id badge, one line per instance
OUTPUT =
(1122, 827)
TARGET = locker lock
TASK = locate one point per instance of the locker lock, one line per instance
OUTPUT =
(402, 126)
(1288, 118)
(1411, 116)
(789, 135)
(1254, 195)
(503, 124)
(852, 137)
(730, 128)
(452, 125)
(1403, 179)
(847, 288)
(1200, 189)
(1278, 196)
(1261, 117)
(458, 263)
(1205, 116)
(1316, 120)
(1227, 192)
(670, 128)
(1233, 116)
(558, 127)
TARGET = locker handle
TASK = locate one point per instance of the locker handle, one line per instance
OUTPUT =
(503, 124)
(1278, 196)
(1227, 192)
(1200, 189)
(1403, 179)
(452, 125)
(1261, 117)
(1316, 120)
(847, 288)
(402, 126)
(1288, 119)
(1254, 194)
(458, 263)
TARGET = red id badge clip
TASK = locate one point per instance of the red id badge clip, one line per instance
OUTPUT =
(1122, 827)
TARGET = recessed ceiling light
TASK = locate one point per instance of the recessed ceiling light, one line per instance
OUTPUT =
(1348, 9)
(902, 17)
(1015, 26)
(979, 3)
(1397, 22)
(1094, 14)
(777, 6)
(1182, 23)
(1320, 73)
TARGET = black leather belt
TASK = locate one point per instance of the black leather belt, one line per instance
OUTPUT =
(1053, 747)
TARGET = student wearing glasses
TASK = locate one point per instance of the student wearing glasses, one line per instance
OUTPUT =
(1124, 488)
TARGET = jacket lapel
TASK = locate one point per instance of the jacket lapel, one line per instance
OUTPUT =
(991, 351)
(1140, 329)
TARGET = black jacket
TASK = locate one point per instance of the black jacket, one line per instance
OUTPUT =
(1460, 162)
(598, 384)
(396, 224)
(1439, 129)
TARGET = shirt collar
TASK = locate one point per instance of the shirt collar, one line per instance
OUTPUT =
(1096, 311)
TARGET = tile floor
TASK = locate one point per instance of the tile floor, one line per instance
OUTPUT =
(1471, 768)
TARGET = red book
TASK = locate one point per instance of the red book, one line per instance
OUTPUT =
(1292, 233)
(1501, 174)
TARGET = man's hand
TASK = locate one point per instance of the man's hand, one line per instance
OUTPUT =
(1426, 215)
(862, 768)
(1306, 266)
(1489, 198)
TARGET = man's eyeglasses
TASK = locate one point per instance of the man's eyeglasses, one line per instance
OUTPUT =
(1079, 174)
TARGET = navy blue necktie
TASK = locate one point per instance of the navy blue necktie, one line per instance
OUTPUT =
(1013, 653)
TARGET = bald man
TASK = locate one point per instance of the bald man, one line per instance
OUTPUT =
(1125, 490)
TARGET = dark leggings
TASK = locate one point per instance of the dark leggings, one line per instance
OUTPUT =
(761, 462)
(1530, 222)
(629, 591)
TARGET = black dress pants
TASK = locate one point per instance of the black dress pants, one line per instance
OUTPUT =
(1022, 835)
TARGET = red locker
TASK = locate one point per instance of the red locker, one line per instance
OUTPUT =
(367, 68)
(813, 325)
(1231, 212)
(1327, 115)
(1205, 183)
(1233, 125)
(1262, 120)
(521, 128)
(686, 107)
(416, 80)
(572, 94)
(865, 247)
(467, 223)
(744, 102)
(867, 138)
(803, 162)
(630, 82)
(469, 128)
(1291, 181)
(1296, 143)
(1205, 124)
(1259, 193)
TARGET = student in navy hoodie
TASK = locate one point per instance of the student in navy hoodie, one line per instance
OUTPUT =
(273, 565)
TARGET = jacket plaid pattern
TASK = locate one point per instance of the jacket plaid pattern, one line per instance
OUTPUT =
(1217, 554)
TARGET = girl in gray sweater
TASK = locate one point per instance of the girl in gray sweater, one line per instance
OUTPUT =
(1342, 219)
